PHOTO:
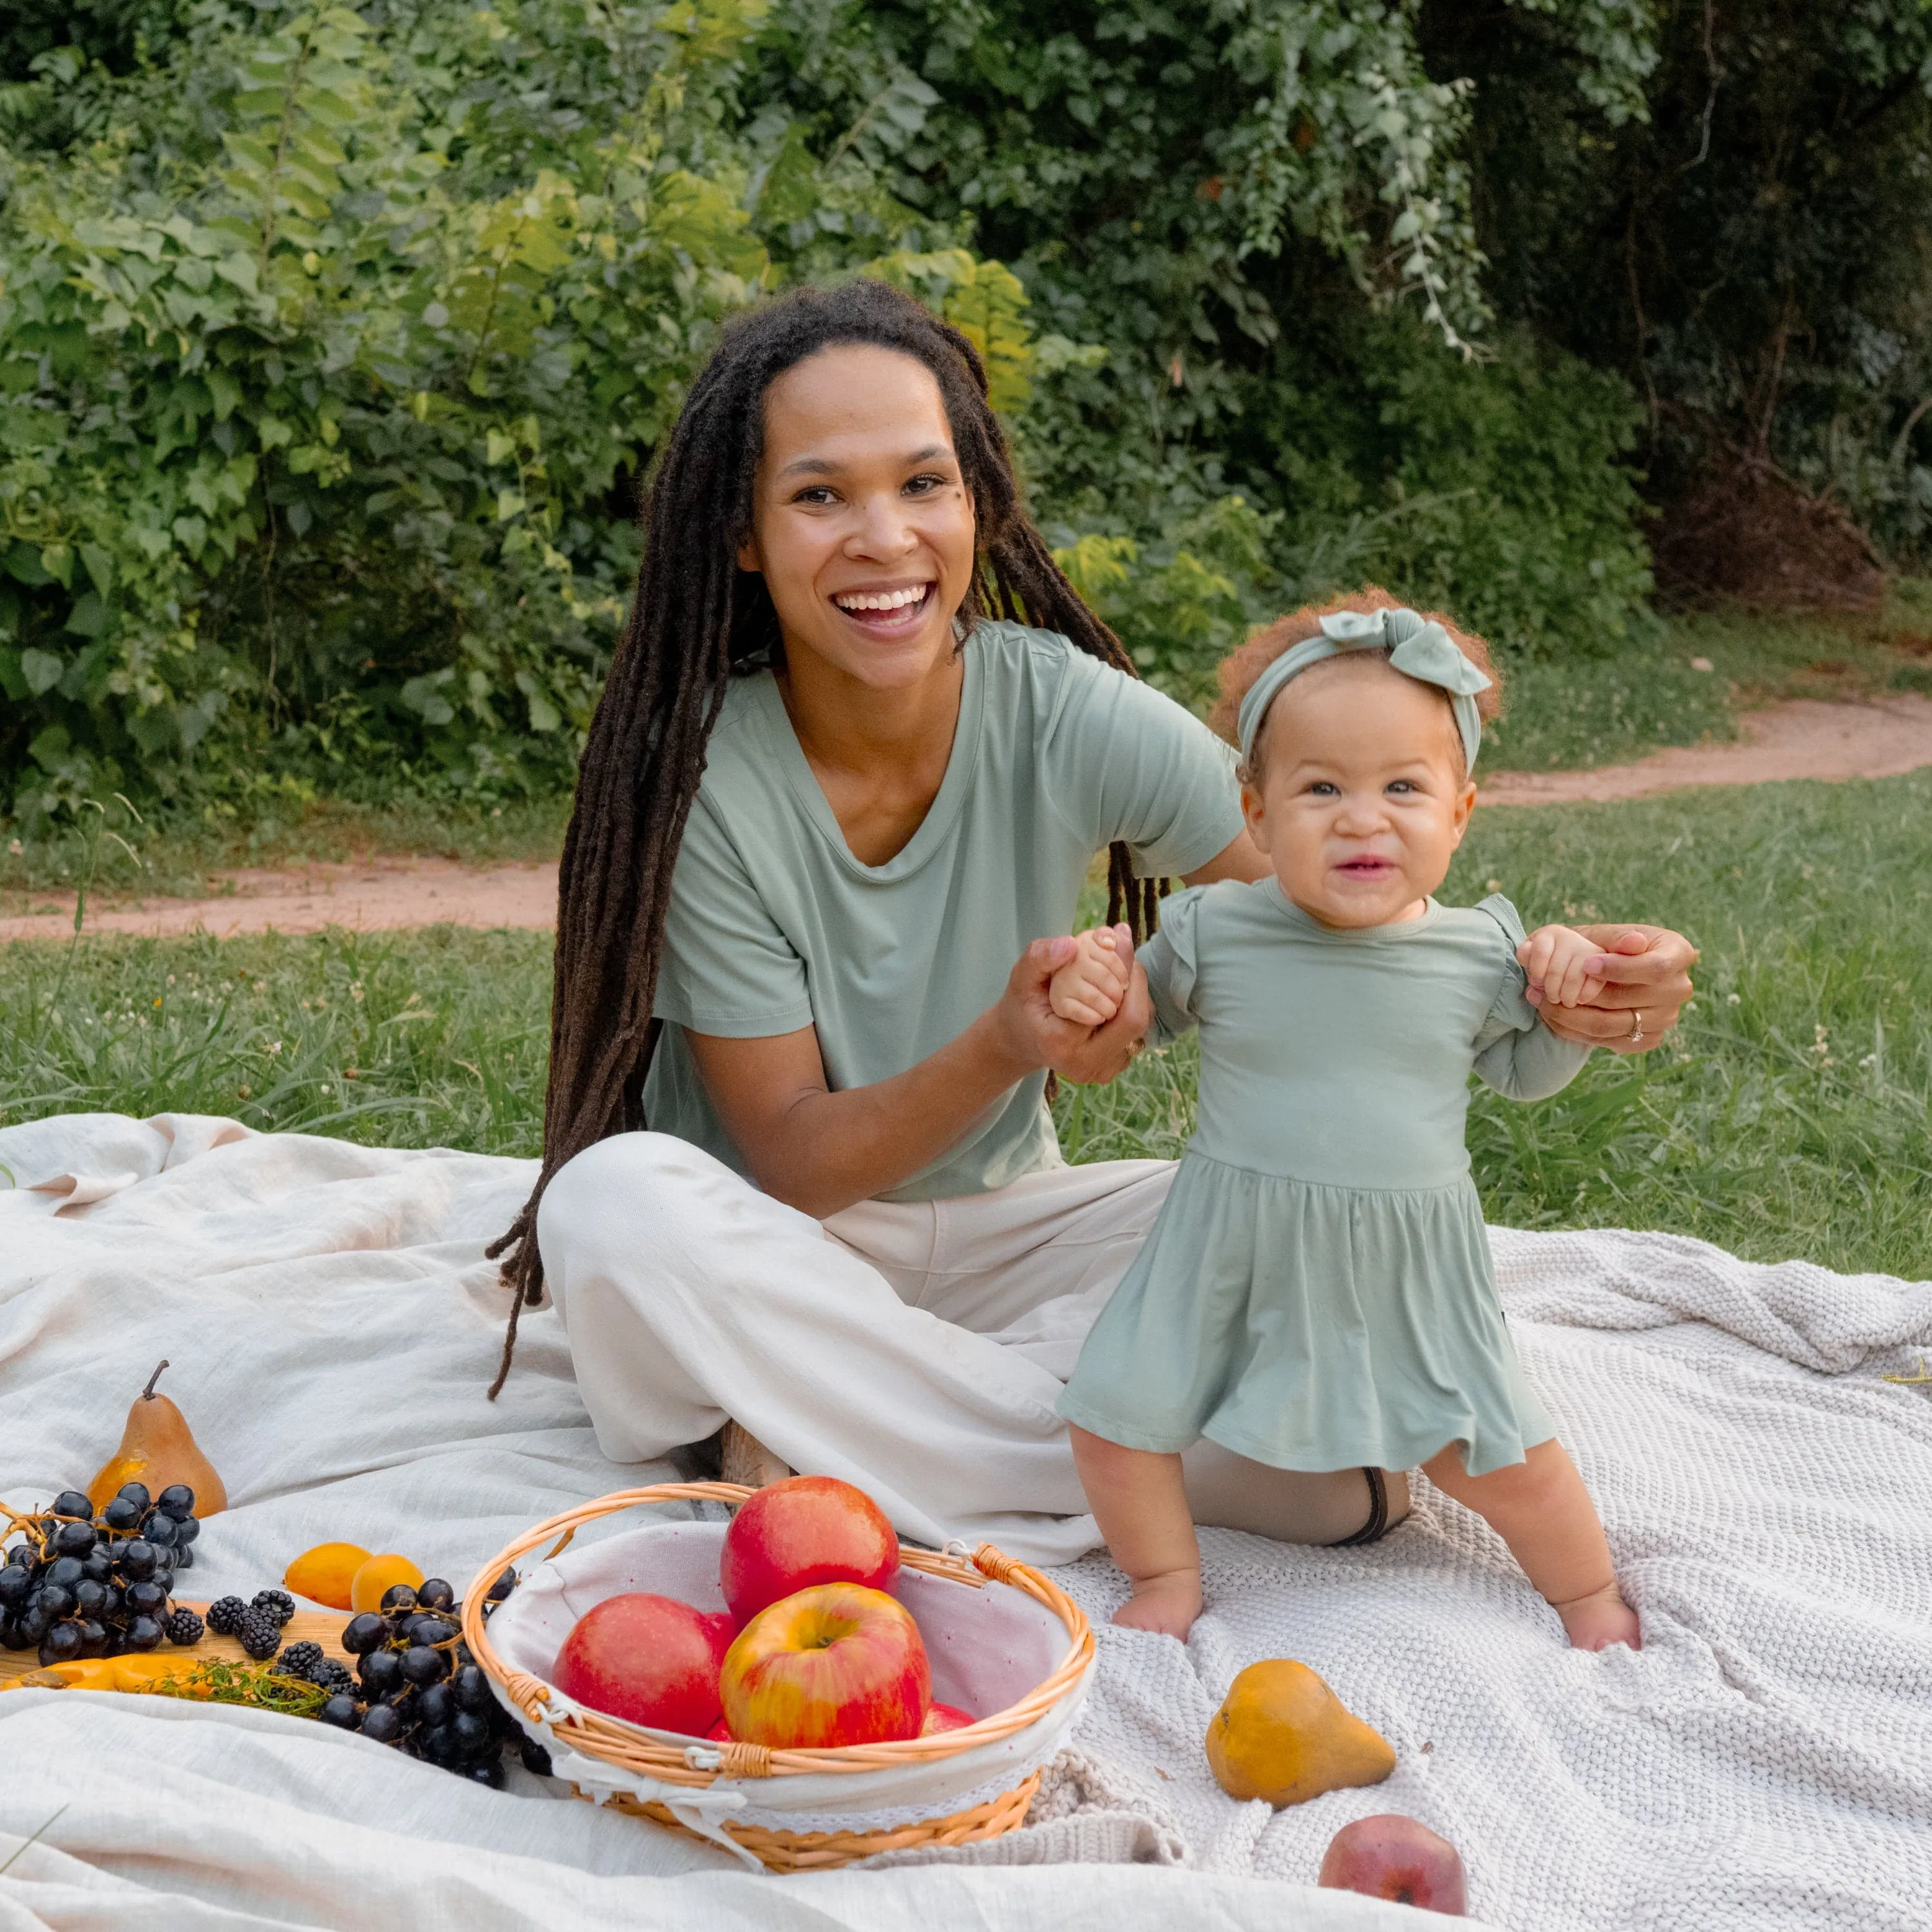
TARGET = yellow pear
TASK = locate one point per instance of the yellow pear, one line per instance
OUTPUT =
(1282, 1735)
(157, 1448)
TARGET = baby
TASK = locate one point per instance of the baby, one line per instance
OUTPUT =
(1318, 1292)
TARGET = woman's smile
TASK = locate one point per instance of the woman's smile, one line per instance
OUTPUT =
(886, 612)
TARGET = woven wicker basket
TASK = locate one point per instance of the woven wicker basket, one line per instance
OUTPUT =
(611, 1742)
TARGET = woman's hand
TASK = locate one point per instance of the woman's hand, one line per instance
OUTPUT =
(1646, 972)
(1035, 1034)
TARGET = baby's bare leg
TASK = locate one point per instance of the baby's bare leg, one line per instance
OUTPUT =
(1139, 1502)
(1541, 1510)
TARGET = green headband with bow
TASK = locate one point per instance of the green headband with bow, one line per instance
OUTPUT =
(1417, 646)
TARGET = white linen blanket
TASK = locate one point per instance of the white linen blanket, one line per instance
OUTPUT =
(1766, 1761)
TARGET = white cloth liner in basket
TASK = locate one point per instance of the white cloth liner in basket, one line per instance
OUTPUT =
(989, 1646)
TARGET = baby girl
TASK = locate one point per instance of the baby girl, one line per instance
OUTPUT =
(1318, 1292)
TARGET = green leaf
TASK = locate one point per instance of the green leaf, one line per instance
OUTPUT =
(42, 670)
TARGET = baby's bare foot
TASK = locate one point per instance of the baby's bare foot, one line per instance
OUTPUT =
(1596, 1622)
(1168, 1604)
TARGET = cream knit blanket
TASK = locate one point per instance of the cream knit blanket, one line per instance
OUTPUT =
(1766, 1761)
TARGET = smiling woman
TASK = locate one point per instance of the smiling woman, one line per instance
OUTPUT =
(836, 811)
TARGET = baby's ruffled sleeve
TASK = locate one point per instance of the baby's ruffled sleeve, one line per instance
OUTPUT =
(1169, 961)
(1516, 1053)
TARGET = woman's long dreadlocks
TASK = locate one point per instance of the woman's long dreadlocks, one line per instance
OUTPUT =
(696, 619)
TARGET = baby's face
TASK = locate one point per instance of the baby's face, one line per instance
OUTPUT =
(1362, 799)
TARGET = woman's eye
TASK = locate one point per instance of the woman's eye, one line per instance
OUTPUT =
(924, 486)
(815, 492)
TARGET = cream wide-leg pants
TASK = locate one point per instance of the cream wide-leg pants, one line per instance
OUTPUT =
(916, 1348)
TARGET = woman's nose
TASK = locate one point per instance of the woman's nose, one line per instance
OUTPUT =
(884, 532)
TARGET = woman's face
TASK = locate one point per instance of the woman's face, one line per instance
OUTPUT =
(861, 527)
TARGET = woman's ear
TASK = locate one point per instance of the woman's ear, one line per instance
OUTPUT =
(748, 558)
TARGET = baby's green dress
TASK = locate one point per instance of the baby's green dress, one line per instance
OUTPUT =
(1318, 1292)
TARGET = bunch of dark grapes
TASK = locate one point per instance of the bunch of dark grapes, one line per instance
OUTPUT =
(80, 1585)
(415, 1685)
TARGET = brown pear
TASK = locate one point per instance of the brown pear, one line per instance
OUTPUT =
(157, 1448)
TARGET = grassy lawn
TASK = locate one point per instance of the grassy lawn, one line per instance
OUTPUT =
(1789, 1116)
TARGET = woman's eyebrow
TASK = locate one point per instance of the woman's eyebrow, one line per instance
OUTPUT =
(824, 466)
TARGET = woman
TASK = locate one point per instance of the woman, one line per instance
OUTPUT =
(832, 815)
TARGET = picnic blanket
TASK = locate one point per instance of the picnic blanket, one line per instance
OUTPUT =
(1766, 1762)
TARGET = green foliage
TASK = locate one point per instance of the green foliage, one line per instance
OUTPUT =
(318, 370)
(1728, 206)
(334, 343)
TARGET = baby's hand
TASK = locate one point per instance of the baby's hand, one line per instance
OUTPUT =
(1089, 988)
(1552, 957)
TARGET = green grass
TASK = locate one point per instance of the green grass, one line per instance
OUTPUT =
(1790, 1116)
(423, 1039)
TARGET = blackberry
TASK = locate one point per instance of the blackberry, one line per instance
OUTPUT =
(536, 1758)
(261, 1634)
(278, 1603)
(333, 1676)
(225, 1614)
(300, 1660)
(183, 1628)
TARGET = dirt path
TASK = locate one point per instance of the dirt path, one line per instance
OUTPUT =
(1803, 739)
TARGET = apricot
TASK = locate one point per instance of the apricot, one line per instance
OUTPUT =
(1282, 1735)
(378, 1574)
(326, 1574)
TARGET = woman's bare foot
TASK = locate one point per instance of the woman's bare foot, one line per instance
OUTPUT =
(1168, 1604)
(1596, 1622)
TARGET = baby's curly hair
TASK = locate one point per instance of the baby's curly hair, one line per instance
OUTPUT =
(1241, 668)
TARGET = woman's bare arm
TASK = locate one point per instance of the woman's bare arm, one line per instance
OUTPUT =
(820, 1151)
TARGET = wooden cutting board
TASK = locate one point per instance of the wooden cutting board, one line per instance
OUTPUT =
(323, 1626)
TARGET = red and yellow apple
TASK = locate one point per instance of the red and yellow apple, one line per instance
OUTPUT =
(805, 1530)
(836, 1664)
(1398, 1858)
(946, 1717)
(650, 1659)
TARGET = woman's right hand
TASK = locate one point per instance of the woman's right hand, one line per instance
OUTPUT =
(1085, 1056)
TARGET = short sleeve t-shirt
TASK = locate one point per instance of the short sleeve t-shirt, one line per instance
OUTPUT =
(774, 925)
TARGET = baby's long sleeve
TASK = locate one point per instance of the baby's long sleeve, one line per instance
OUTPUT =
(1516, 1053)
(1530, 1064)
(1167, 959)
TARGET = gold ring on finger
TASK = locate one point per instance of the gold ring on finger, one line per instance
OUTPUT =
(1636, 1028)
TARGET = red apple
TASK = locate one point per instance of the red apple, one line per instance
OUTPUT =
(650, 1659)
(804, 1531)
(720, 1733)
(946, 1717)
(836, 1664)
(1392, 1857)
(720, 1629)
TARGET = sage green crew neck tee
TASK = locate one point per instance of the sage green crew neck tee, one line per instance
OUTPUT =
(774, 925)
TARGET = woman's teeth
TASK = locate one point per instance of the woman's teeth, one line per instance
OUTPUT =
(883, 600)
